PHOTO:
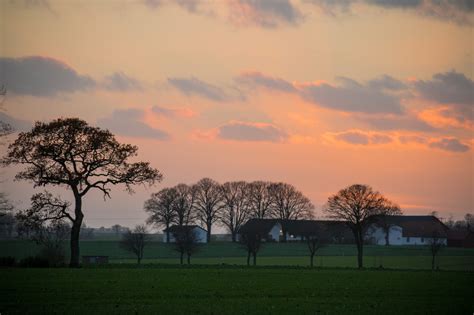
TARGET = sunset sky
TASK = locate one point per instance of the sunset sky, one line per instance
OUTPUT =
(317, 93)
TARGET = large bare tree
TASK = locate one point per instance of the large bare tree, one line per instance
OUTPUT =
(355, 205)
(208, 203)
(235, 212)
(161, 209)
(184, 204)
(288, 203)
(260, 200)
(69, 153)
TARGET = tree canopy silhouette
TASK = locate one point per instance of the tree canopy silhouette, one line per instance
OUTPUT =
(355, 205)
(67, 152)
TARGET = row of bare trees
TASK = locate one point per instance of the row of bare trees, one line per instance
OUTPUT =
(231, 204)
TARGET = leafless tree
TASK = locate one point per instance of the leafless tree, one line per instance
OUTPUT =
(135, 241)
(8, 224)
(5, 128)
(315, 240)
(469, 218)
(184, 204)
(67, 152)
(260, 200)
(355, 205)
(251, 241)
(435, 244)
(117, 228)
(186, 242)
(384, 221)
(161, 209)
(235, 211)
(289, 204)
(6, 206)
(46, 225)
(208, 203)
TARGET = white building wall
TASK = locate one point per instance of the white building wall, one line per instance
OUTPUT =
(275, 232)
(396, 237)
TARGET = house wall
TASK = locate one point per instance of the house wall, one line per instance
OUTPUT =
(275, 232)
(377, 235)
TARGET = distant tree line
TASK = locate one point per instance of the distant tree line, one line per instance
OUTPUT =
(208, 203)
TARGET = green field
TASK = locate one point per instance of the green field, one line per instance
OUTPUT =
(234, 290)
(409, 257)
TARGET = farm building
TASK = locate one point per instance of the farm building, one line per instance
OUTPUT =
(296, 230)
(269, 228)
(406, 230)
(199, 232)
(461, 238)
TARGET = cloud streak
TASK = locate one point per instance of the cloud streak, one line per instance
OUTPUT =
(457, 11)
(129, 122)
(121, 82)
(195, 87)
(449, 144)
(41, 76)
(264, 13)
(251, 131)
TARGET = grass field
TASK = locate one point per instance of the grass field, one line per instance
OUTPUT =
(234, 290)
(408, 257)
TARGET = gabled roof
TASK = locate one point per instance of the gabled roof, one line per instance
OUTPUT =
(322, 228)
(178, 228)
(262, 226)
(416, 225)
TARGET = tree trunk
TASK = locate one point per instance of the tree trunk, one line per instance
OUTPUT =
(75, 232)
(139, 259)
(359, 255)
(311, 260)
(387, 234)
(254, 259)
(167, 233)
(181, 258)
(248, 258)
(433, 262)
(283, 230)
(189, 259)
(208, 236)
(234, 234)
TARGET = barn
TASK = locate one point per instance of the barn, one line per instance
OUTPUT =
(269, 228)
(296, 230)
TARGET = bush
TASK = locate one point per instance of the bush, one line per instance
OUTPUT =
(34, 261)
(54, 255)
(7, 261)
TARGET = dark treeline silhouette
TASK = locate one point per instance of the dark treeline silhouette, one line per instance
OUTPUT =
(230, 204)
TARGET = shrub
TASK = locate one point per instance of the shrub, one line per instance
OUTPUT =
(7, 261)
(55, 256)
(34, 261)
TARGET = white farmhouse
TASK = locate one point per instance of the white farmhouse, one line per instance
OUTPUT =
(406, 230)
(199, 232)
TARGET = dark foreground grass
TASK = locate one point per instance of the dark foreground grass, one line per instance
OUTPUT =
(235, 290)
